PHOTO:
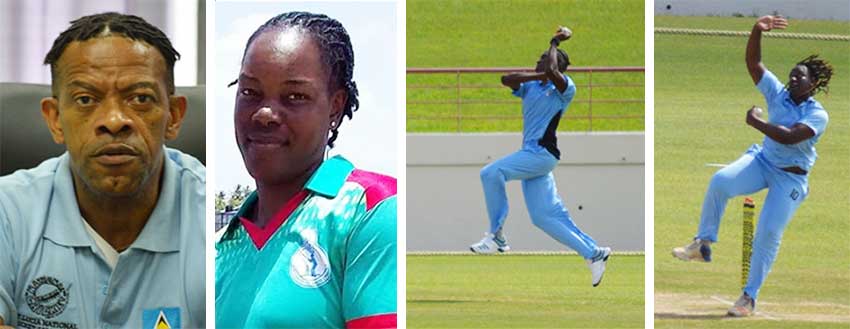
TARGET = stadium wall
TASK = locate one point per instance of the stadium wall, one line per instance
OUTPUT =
(600, 178)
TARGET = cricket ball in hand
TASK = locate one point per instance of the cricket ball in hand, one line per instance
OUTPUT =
(566, 31)
(757, 111)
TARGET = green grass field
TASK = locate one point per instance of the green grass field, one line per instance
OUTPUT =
(702, 91)
(521, 291)
(515, 34)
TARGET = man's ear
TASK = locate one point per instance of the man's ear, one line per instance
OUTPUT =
(177, 111)
(50, 113)
(338, 101)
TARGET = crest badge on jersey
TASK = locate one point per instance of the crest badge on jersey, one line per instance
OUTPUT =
(161, 318)
(47, 296)
(309, 266)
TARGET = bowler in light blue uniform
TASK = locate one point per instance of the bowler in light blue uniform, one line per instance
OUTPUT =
(545, 94)
(782, 164)
(111, 233)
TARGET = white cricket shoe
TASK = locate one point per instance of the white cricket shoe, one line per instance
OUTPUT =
(597, 266)
(745, 306)
(490, 244)
(697, 250)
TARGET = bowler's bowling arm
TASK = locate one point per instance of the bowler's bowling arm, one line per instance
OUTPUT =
(550, 67)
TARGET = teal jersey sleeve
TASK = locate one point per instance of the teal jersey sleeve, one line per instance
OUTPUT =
(369, 287)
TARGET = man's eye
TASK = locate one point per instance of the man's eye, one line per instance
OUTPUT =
(248, 92)
(142, 99)
(84, 100)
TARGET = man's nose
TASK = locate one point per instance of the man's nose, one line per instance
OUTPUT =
(113, 120)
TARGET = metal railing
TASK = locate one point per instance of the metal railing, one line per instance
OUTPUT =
(584, 87)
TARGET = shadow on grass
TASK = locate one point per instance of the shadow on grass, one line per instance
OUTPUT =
(690, 316)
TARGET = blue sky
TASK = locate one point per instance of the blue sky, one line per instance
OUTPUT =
(371, 139)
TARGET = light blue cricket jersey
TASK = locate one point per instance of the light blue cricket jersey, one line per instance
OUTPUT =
(782, 111)
(542, 107)
(52, 275)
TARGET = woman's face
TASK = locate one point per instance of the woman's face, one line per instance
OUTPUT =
(800, 82)
(284, 106)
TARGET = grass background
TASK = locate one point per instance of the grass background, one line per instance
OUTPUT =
(519, 291)
(702, 90)
(476, 33)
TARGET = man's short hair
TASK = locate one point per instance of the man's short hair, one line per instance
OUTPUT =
(111, 23)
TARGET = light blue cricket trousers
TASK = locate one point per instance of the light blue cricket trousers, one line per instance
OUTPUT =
(747, 175)
(533, 165)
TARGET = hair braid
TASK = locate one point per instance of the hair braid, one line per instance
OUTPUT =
(820, 71)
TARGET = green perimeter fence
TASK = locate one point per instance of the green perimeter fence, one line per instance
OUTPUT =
(453, 98)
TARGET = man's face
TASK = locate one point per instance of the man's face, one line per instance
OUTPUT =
(284, 106)
(113, 113)
(800, 81)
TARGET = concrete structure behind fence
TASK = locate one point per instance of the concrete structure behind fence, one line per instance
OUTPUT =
(600, 178)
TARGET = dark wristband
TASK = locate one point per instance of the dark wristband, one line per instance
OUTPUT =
(555, 42)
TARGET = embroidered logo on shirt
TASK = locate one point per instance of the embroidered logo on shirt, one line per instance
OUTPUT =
(309, 266)
(47, 296)
(161, 318)
(794, 194)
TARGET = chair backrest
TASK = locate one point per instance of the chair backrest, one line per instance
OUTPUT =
(25, 141)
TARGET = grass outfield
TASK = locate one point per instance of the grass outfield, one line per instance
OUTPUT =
(514, 34)
(809, 285)
(521, 291)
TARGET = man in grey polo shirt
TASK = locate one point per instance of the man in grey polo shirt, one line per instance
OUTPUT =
(111, 233)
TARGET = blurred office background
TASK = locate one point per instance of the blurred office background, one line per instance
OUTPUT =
(28, 28)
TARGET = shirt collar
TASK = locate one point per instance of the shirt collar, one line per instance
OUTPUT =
(160, 234)
(63, 223)
(329, 178)
(788, 99)
(326, 181)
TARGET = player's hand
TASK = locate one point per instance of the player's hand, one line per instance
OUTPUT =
(767, 23)
(754, 115)
(563, 33)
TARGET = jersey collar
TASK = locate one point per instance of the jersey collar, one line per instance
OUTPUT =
(329, 178)
(160, 234)
(790, 101)
(326, 181)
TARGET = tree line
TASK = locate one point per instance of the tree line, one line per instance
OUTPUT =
(232, 201)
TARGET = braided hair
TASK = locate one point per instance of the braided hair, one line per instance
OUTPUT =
(820, 71)
(336, 53)
(108, 24)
